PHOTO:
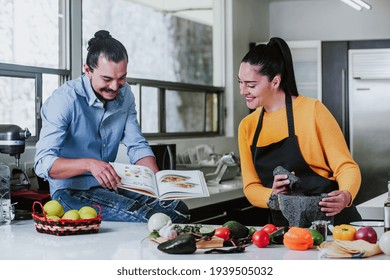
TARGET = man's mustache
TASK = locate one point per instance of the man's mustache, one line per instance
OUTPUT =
(110, 90)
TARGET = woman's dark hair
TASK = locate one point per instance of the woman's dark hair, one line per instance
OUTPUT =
(103, 43)
(272, 59)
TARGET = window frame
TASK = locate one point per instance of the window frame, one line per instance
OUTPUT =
(36, 73)
(163, 87)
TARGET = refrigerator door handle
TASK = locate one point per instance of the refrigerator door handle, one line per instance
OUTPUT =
(363, 88)
(343, 99)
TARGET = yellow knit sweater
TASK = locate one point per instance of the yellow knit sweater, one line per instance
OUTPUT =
(320, 139)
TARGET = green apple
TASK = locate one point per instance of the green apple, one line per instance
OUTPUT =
(71, 215)
(53, 208)
(87, 212)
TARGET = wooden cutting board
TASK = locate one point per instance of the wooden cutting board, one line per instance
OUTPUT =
(215, 242)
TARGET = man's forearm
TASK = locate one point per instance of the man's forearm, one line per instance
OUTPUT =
(65, 168)
(149, 162)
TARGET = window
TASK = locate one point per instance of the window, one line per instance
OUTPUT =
(171, 67)
(161, 103)
(33, 58)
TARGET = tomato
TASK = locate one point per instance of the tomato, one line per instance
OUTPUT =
(269, 228)
(222, 232)
(261, 239)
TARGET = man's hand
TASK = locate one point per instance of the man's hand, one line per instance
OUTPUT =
(104, 173)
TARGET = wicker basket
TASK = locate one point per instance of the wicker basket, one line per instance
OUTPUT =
(65, 227)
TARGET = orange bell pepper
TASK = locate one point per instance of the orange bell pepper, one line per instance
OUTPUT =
(297, 238)
(344, 232)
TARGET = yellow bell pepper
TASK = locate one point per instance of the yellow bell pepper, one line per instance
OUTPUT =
(344, 232)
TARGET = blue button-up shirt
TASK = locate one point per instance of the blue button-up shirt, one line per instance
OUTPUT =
(75, 124)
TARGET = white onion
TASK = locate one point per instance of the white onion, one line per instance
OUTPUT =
(384, 243)
(157, 221)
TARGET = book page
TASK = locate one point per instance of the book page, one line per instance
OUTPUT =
(136, 177)
(181, 184)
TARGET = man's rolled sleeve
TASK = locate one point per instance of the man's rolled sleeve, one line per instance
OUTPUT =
(42, 166)
(139, 153)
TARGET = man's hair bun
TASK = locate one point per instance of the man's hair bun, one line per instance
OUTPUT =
(99, 35)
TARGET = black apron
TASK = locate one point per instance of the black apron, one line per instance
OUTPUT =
(287, 153)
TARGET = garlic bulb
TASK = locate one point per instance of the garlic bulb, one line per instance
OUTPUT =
(168, 231)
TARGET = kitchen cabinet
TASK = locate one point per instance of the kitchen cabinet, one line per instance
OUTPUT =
(237, 209)
(334, 81)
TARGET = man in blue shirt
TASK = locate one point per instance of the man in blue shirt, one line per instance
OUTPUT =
(84, 121)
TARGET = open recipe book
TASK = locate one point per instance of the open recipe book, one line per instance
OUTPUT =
(165, 184)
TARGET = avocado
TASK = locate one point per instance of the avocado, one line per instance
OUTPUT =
(237, 230)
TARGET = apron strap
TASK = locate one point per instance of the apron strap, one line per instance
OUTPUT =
(258, 129)
(290, 121)
(290, 116)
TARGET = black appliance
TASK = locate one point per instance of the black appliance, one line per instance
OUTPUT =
(165, 155)
(12, 140)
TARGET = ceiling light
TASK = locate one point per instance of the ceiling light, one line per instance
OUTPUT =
(357, 4)
(363, 4)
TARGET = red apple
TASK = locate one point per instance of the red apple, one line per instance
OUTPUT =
(366, 233)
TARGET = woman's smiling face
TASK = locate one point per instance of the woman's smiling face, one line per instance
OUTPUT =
(256, 88)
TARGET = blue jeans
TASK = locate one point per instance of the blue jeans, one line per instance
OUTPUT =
(123, 206)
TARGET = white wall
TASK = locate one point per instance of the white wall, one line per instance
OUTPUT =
(329, 20)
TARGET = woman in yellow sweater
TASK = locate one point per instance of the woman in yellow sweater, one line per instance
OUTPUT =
(296, 132)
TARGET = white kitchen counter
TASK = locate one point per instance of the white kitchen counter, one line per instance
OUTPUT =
(128, 241)
(118, 241)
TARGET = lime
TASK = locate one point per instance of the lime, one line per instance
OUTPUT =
(53, 218)
(71, 215)
(207, 230)
(53, 208)
(87, 212)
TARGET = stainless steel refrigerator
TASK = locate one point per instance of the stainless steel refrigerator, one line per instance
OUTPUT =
(369, 118)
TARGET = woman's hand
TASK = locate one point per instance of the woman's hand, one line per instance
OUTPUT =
(335, 202)
(280, 184)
